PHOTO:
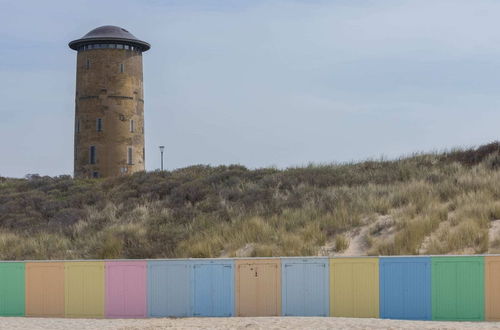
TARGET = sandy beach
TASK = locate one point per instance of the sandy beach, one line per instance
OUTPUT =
(236, 323)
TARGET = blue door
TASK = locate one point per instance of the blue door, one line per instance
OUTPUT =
(213, 288)
(169, 288)
(305, 287)
(405, 288)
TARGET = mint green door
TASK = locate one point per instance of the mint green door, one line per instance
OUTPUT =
(11, 288)
(458, 288)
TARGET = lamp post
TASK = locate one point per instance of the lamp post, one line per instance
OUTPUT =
(161, 151)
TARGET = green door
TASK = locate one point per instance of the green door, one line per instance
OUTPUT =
(12, 289)
(458, 288)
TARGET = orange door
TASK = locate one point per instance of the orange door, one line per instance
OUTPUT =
(258, 287)
(492, 288)
(45, 289)
(269, 289)
(246, 289)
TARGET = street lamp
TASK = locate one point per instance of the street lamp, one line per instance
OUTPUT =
(161, 151)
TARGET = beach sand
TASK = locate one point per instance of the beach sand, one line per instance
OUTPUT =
(235, 323)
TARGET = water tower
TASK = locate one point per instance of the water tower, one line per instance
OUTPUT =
(109, 103)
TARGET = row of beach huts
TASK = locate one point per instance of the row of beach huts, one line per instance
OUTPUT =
(418, 288)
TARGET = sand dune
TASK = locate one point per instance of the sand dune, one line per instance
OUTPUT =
(236, 323)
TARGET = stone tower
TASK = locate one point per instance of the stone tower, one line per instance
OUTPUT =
(109, 103)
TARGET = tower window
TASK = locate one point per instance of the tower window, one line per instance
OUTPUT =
(92, 155)
(77, 125)
(122, 67)
(98, 125)
(132, 126)
(95, 174)
(87, 64)
(129, 156)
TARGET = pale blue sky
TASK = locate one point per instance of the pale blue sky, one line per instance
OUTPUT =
(261, 83)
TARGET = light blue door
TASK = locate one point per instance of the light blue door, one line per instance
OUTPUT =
(305, 289)
(213, 288)
(405, 288)
(169, 288)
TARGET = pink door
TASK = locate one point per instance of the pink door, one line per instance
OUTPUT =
(126, 289)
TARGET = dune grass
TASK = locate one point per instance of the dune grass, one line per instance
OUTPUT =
(438, 203)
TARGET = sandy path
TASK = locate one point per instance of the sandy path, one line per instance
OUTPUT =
(236, 323)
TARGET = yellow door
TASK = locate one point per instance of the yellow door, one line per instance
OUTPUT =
(354, 287)
(84, 289)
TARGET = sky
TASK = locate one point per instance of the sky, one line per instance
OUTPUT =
(261, 83)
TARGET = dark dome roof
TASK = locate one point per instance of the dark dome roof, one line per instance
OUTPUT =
(109, 33)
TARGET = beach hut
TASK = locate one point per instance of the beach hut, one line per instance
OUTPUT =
(458, 288)
(169, 288)
(45, 289)
(84, 289)
(213, 287)
(492, 287)
(354, 287)
(305, 286)
(405, 288)
(12, 284)
(258, 287)
(126, 289)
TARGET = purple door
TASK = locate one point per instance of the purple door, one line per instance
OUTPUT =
(126, 289)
